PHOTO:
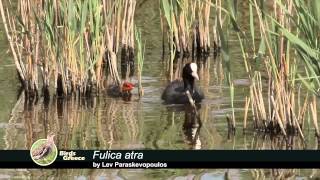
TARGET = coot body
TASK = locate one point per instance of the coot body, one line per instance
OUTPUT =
(124, 91)
(175, 92)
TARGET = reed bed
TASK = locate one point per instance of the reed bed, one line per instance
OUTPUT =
(288, 36)
(74, 44)
(24, 34)
(186, 24)
(280, 111)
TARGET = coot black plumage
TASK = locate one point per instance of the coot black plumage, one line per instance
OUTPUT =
(175, 92)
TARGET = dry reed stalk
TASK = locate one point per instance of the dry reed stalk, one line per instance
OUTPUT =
(163, 30)
(189, 24)
(246, 109)
(254, 108)
(16, 57)
(278, 116)
(184, 38)
(30, 44)
(201, 38)
(175, 36)
(177, 68)
(119, 29)
(257, 99)
(303, 111)
(204, 26)
(281, 88)
(111, 46)
(313, 107)
(24, 41)
(126, 18)
(218, 17)
(296, 124)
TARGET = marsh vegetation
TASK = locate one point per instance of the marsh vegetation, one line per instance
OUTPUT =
(258, 63)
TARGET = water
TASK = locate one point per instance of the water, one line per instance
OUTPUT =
(146, 123)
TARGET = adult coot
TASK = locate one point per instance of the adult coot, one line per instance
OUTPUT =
(175, 92)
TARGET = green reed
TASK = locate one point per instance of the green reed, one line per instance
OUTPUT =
(140, 58)
(279, 24)
(305, 39)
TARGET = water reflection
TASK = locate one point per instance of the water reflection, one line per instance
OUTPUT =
(110, 123)
(185, 119)
(262, 141)
(78, 123)
(191, 127)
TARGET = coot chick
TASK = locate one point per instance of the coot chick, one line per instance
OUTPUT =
(124, 91)
(175, 92)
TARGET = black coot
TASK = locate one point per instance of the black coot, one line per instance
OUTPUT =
(175, 91)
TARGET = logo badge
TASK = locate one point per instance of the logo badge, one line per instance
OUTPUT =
(44, 152)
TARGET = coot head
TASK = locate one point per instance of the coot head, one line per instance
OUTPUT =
(124, 90)
(127, 87)
(189, 74)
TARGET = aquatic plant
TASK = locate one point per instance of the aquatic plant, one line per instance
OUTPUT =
(279, 31)
(279, 112)
(24, 39)
(81, 40)
(187, 25)
(140, 59)
(304, 37)
(127, 38)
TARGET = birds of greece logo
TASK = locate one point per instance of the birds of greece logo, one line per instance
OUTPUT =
(44, 152)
